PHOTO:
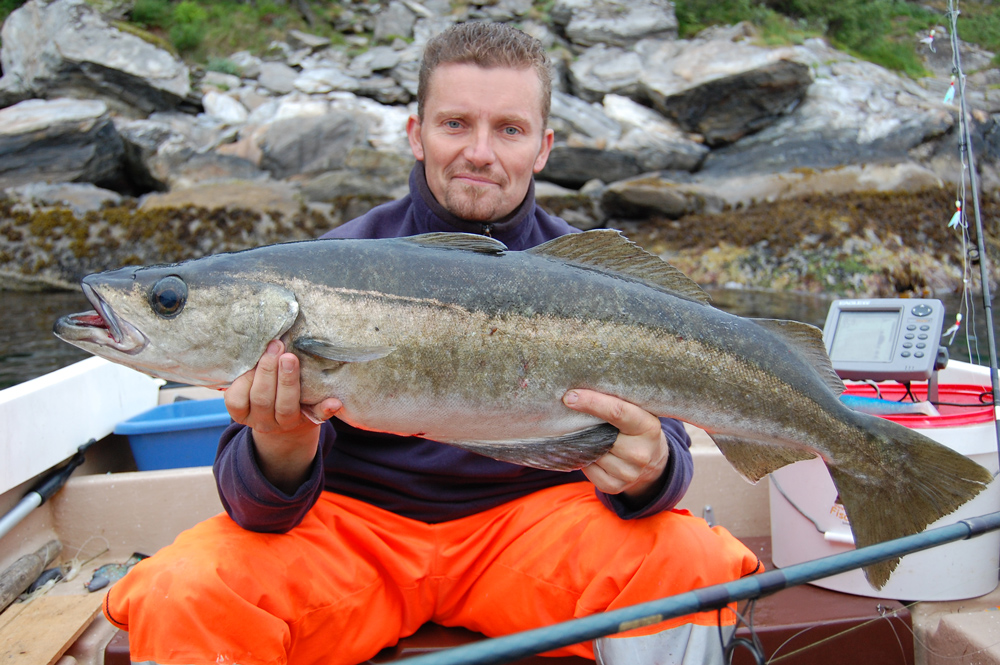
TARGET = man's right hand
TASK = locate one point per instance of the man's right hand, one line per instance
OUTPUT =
(266, 399)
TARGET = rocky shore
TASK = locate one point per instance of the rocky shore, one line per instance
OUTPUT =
(792, 168)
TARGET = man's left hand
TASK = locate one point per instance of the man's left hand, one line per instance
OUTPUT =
(639, 456)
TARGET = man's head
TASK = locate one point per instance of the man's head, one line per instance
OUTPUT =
(485, 91)
(489, 46)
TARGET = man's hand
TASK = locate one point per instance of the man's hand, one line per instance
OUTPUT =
(639, 456)
(266, 399)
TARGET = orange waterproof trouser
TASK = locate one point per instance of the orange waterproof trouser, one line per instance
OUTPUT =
(353, 578)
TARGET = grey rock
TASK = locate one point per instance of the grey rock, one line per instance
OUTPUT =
(587, 119)
(277, 77)
(858, 113)
(64, 48)
(62, 140)
(723, 88)
(590, 22)
(572, 166)
(602, 70)
(384, 90)
(311, 145)
(322, 80)
(377, 59)
(81, 198)
(656, 143)
(249, 64)
(299, 40)
(219, 81)
(396, 20)
(224, 108)
(647, 195)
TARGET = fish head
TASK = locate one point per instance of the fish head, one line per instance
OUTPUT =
(180, 322)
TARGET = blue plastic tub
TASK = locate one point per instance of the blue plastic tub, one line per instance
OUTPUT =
(172, 436)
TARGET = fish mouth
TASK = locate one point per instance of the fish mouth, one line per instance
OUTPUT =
(101, 326)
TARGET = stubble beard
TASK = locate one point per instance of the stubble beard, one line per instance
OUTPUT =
(476, 204)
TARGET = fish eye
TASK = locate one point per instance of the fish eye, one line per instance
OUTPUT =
(167, 297)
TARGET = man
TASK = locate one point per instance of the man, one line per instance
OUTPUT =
(338, 541)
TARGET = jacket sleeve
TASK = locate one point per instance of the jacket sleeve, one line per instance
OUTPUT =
(674, 482)
(249, 498)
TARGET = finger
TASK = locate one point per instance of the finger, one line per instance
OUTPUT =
(237, 396)
(602, 480)
(627, 417)
(286, 399)
(264, 387)
(319, 413)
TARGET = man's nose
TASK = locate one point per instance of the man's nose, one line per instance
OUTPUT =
(480, 149)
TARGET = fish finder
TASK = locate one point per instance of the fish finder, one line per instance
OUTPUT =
(884, 339)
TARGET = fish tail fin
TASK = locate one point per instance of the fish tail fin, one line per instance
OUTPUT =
(925, 481)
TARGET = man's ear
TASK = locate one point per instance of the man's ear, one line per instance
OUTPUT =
(413, 134)
(543, 153)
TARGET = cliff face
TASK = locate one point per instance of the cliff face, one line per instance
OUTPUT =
(796, 167)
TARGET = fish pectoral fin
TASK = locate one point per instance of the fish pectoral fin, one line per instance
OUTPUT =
(339, 352)
(611, 252)
(469, 242)
(755, 459)
(563, 453)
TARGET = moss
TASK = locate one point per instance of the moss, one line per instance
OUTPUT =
(146, 36)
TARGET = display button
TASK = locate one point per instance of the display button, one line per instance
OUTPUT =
(911, 327)
(921, 310)
(922, 336)
(921, 345)
(925, 327)
(909, 335)
(907, 345)
(905, 354)
(919, 354)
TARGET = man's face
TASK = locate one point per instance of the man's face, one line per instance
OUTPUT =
(481, 139)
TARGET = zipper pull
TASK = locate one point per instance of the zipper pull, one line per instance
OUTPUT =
(486, 231)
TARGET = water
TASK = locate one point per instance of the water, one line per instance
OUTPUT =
(29, 349)
(27, 346)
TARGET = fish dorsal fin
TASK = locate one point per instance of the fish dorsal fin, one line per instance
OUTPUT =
(809, 341)
(469, 242)
(609, 251)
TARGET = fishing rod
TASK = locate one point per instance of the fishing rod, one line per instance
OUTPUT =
(965, 146)
(521, 645)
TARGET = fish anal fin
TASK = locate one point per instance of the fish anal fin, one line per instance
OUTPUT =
(341, 353)
(755, 459)
(565, 453)
(469, 242)
(809, 342)
(609, 251)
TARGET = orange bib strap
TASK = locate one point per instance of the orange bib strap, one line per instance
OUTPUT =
(353, 579)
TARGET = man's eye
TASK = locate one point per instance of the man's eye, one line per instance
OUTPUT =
(511, 131)
(452, 124)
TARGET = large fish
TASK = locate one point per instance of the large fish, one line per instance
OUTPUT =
(453, 338)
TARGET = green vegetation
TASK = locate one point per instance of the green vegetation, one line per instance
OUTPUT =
(881, 31)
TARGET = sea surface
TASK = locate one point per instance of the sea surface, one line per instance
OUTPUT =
(28, 348)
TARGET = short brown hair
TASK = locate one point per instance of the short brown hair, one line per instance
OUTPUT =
(486, 45)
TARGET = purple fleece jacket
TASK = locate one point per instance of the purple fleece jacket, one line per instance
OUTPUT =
(424, 480)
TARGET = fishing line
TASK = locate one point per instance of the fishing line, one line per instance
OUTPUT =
(883, 616)
(752, 644)
(966, 152)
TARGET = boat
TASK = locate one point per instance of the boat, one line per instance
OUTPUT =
(109, 510)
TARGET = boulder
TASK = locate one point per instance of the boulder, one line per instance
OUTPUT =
(311, 145)
(62, 140)
(590, 22)
(652, 195)
(721, 85)
(854, 113)
(574, 166)
(63, 48)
